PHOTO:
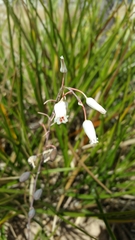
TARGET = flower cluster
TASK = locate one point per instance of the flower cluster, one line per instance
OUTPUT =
(60, 116)
(60, 109)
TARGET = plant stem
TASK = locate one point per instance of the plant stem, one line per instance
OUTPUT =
(41, 160)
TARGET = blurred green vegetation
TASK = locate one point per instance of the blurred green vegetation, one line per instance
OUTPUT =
(98, 44)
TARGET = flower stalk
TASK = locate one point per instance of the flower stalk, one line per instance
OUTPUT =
(58, 116)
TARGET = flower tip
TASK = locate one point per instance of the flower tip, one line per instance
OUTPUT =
(103, 111)
(93, 142)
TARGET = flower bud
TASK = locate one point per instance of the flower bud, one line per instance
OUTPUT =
(31, 213)
(24, 177)
(93, 104)
(90, 131)
(63, 68)
(38, 194)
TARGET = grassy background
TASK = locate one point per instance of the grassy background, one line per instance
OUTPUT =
(99, 50)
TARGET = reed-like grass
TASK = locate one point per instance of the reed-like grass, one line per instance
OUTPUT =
(99, 50)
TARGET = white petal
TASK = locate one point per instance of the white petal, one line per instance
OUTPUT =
(31, 160)
(60, 120)
(60, 109)
(93, 104)
(90, 131)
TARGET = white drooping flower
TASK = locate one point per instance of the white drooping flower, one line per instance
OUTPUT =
(60, 110)
(63, 68)
(93, 104)
(90, 131)
(31, 160)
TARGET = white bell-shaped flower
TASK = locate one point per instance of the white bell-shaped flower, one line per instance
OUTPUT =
(60, 110)
(93, 104)
(90, 131)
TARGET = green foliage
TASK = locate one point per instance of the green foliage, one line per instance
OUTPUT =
(99, 51)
